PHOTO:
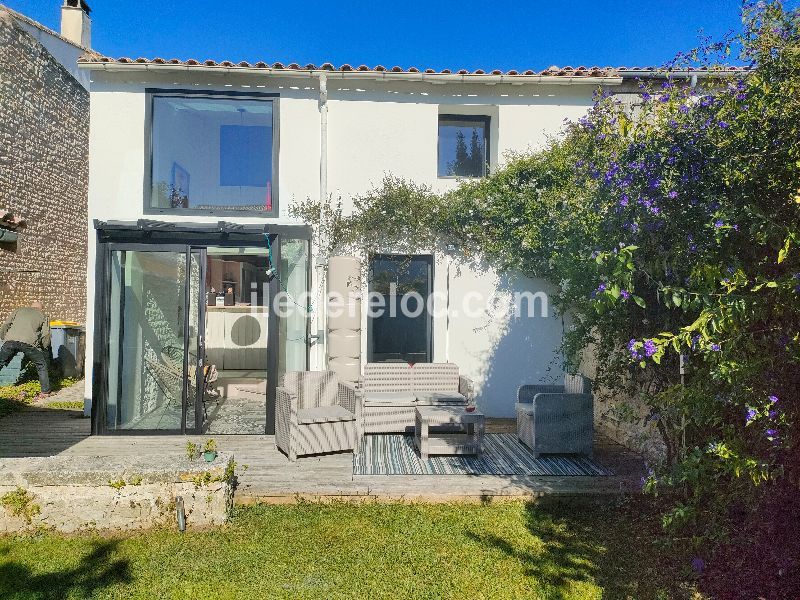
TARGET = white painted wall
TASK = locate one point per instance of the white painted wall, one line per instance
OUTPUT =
(64, 52)
(375, 128)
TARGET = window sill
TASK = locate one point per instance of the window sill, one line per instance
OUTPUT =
(274, 214)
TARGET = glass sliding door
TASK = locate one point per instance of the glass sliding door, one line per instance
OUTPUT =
(196, 338)
(148, 327)
(294, 307)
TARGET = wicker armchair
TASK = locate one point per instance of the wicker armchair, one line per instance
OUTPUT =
(557, 419)
(315, 413)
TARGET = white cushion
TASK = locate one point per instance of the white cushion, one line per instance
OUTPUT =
(437, 398)
(389, 399)
(324, 414)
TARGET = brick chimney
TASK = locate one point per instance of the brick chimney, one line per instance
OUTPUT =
(76, 25)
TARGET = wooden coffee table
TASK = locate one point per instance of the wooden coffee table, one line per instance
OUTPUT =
(448, 430)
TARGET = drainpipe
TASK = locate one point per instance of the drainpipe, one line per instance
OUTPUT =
(323, 198)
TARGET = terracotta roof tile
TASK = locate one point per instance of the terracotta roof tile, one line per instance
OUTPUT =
(553, 71)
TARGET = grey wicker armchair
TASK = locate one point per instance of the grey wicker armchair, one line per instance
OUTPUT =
(557, 419)
(315, 413)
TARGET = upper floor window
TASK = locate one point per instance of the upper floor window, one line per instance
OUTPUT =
(463, 145)
(212, 154)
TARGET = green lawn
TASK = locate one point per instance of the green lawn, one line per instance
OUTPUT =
(309, 550)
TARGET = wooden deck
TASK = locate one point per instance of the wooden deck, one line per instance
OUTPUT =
(270, 477)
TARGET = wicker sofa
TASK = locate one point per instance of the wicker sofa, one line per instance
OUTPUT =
(389, 393)
(557, 419)
(315, 413)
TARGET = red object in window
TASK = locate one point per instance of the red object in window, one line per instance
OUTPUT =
(268, 204)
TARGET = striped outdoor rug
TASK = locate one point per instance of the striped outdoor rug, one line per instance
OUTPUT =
(502, 455)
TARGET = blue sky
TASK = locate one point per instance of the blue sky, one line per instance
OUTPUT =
(500, 34)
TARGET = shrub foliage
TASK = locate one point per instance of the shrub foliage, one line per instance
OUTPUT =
(670, 225)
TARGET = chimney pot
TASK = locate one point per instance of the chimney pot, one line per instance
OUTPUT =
(76, 25)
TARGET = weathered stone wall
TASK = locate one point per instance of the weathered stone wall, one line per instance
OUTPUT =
(44, 173)
(624, 419)
(77, 493)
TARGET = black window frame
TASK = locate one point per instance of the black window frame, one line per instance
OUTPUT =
(487, 121)
(152, 93)
(429, 261)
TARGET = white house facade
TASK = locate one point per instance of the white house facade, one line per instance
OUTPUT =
(193, 169)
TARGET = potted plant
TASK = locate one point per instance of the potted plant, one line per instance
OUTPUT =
(210, 450)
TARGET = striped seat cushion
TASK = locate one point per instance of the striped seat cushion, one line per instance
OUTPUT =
(324, 414)
(389, 399)
(439, 398)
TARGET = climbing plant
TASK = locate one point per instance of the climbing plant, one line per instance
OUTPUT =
(670, 226)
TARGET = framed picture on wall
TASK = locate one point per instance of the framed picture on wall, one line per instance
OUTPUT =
(179, 194)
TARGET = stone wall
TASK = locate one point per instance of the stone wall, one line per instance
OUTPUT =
(78, 493)
(44, 173)
(622, 418)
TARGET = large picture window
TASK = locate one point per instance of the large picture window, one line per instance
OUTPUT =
(463, 146)
(212, 154)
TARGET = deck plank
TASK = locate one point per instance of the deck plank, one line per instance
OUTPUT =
(270, 477)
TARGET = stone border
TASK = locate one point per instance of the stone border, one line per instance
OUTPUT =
(79, 493)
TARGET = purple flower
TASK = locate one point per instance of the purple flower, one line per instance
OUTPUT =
(649, 348)
(683, 108)
(673, 194)
(646, 96)
(773, 414)
(601, 287)
(772, 433)
(719, 223)
(625, 294)
(715, 347)
(698, 565)
(623, 201)
(773, 399)
(751, 415)
(723, 125)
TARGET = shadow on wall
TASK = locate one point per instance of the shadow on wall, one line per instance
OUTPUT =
(526, 349)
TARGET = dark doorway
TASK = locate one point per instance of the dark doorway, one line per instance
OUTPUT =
(404, 330)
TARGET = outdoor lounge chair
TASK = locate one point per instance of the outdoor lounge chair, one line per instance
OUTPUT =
(557, 419)
(168, 376)
(315, 413)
